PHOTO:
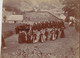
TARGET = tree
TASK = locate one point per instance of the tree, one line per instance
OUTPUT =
(72, 8)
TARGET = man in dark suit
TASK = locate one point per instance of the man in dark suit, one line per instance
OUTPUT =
(21, 38)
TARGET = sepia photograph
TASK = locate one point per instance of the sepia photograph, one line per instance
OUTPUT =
(40, 29)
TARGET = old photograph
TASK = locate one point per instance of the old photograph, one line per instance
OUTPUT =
(40, 29)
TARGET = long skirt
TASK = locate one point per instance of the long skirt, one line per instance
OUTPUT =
(29, 39)
(41, 38)
(62, 34)
(53, 37)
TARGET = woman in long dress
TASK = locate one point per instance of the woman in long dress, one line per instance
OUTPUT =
(62, 33)
(46, 34)
(34, 37)
(52, 35)
(41, 37)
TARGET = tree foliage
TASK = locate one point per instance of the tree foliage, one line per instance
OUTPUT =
(72, 8)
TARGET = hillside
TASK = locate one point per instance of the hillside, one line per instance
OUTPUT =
(53, 6)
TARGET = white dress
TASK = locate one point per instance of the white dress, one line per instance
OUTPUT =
(53, 37)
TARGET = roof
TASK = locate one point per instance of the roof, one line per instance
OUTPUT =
(39, 16)
(15, 17)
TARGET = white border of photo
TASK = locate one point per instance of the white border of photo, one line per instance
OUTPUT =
(0, 24)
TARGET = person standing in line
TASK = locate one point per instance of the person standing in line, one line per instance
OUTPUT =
(62, 33)
(56, 33)
(41, 37)
(34, 37)
(52, 34)
(29, 37)
(44, 37)
(46, 34)
(21, 38)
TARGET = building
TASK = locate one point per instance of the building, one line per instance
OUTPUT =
(6, 14)
(39, 16)
(15, 19)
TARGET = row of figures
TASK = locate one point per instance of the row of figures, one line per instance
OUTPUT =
(41, 25)
(51, 24)
(34, 36)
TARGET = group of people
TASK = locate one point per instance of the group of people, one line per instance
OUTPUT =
(49, 24)
(40, 32)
